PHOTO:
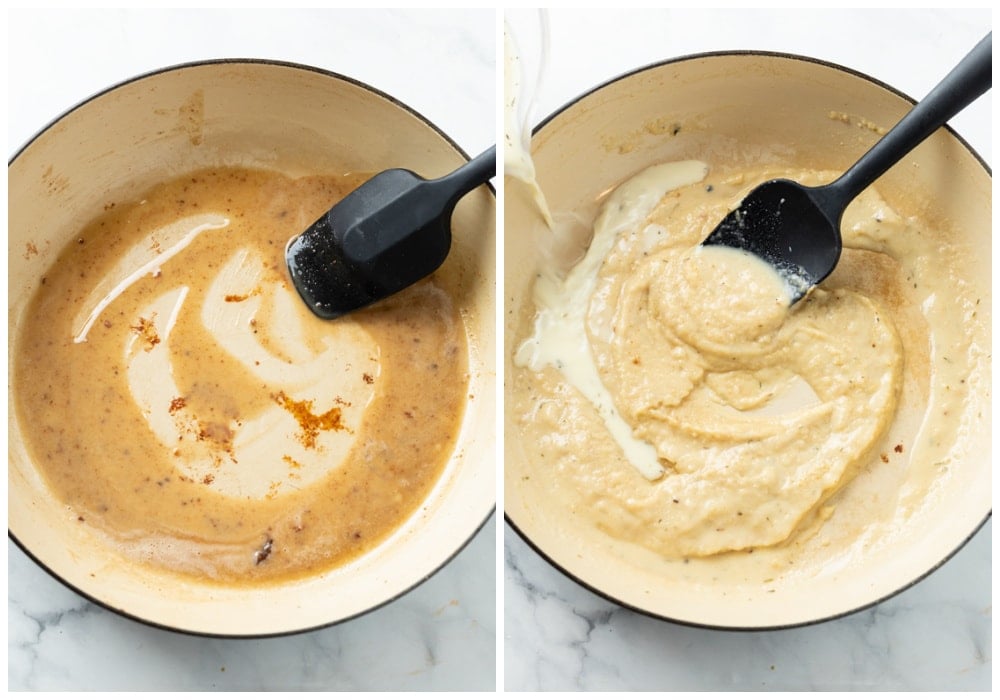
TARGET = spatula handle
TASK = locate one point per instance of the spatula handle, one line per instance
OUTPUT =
(474, 173)
(967, 81)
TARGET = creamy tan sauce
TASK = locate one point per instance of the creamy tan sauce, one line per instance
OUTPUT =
(180, 398)
(675, 402)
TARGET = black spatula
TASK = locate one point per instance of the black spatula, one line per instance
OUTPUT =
(797, 229)
(392, 231)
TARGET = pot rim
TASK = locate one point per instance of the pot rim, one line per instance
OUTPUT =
(749, 53)
(240, 61)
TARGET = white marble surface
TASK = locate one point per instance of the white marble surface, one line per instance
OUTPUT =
(440, 636)
(936, 635)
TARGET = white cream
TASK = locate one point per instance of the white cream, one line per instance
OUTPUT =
(518, 163)
(560, 334)
(135, 265)
(286, 362)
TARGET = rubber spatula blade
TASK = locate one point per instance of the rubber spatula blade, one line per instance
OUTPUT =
(797, 228)
(392, 231)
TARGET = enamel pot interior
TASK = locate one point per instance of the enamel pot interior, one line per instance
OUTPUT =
(738, 110)
(266, 115)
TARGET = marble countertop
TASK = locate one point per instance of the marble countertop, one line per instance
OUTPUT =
(440, 636)
(936, 635)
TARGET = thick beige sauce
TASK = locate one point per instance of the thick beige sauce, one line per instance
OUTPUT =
(746, 424)
(179, 397)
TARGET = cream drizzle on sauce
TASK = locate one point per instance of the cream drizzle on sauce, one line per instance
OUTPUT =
(188, 229)
(560, 335)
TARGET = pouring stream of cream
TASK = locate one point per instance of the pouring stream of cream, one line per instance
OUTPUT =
(518, 115)
(560, 336)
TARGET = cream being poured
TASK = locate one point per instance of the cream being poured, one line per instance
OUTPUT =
(560, 338)
(518, 163)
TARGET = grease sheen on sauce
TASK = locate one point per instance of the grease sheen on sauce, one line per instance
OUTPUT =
(181, 400)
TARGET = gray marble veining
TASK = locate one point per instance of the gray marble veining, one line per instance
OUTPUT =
(933, 636)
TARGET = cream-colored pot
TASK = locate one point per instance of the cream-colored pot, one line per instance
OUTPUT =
(743, 110)
(259, 114)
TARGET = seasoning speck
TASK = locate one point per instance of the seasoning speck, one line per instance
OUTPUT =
(310, 422)
(147, 332)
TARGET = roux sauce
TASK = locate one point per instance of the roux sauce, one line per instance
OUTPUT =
(793, 435)
(179, 397)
